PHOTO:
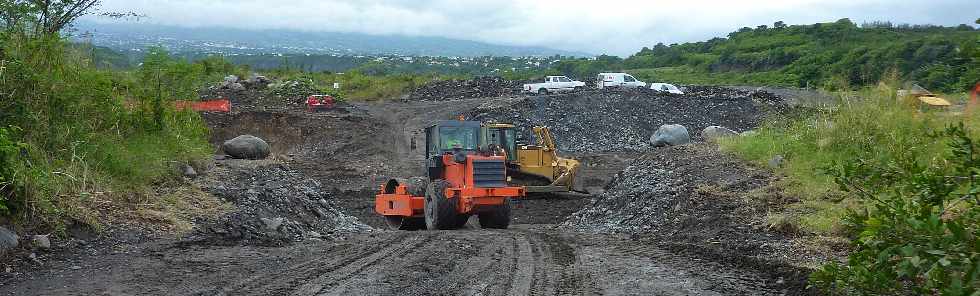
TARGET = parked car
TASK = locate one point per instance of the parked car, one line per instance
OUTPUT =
(617, 80)
(666, 87)
(554, 84)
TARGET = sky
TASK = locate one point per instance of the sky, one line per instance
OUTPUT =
(596, 26)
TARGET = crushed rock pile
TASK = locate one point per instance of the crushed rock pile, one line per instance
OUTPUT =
(275, 206)
(690, 190)
(624, 119)
(480, 87)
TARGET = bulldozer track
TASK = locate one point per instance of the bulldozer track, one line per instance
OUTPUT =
(263, 284)
(345, 271)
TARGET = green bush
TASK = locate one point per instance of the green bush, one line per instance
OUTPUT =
(9, 153)
(89, 134)
(870, 124)
(920, 231)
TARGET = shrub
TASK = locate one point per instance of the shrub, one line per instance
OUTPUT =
(919, 232)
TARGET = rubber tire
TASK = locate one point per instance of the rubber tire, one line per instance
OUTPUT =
(440, 212)
(404, 223)
(461, 220)
(543, 91)
(498, 218)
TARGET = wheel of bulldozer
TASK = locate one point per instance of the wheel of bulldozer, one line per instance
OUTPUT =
(440, 211)
(403, 223)
(498, 218)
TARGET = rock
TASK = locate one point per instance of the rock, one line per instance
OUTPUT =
(714, 132)
(272, 224)
(247, 147)
(42, 241)
(189, 171)
(8, 239)
(776, 161)
(749, 133)
(231, 79)
(75, 267)
(34, 258)
(236, 86)
(670, 135)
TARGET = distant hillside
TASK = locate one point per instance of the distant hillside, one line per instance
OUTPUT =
(941, 58)
(129, 36)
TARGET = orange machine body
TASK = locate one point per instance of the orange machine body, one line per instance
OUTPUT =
(461, 176)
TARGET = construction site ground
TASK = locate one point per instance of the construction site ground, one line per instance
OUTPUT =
(705, 240)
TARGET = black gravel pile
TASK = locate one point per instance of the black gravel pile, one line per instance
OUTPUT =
(480, 87)
(679, 191)
(275, 206)
(624, 119)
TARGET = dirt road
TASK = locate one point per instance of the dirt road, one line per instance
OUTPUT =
(525, 260)
(347, 154)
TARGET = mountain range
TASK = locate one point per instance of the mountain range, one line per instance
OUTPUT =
(229, 41)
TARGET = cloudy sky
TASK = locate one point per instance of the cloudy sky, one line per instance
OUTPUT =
(596, 26)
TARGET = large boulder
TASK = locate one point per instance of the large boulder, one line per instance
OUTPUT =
(670, 135)
(8, 240)
(714, 132)
(247, 147)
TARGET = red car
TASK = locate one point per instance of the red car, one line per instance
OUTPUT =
(319, 102)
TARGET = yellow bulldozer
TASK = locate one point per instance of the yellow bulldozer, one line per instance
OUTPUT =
(535, 164)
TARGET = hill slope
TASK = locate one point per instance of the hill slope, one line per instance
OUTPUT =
(943, 58)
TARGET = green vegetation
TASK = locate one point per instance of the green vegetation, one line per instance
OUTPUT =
(869, 124)
(884, 174)
(80, 141)
(357, 86)
(918, 232)
(818, 55)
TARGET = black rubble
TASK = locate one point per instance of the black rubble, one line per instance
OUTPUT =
(480, 87)
(275, 206)
(624, 119)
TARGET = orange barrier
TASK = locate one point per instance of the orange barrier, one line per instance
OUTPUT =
(210, 106)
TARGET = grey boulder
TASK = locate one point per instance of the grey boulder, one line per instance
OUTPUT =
(670, 135)
(8, 239)
(42, 241)
(715, 132)
(247, 147)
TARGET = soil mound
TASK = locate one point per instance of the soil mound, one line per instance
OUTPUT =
(624, 119)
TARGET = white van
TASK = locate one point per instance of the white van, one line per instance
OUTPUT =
(618, 79)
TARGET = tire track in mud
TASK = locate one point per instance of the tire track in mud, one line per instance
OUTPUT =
(266, 284)
(337, 276)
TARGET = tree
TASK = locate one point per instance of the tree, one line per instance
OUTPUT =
(44, 16)
(779, 25)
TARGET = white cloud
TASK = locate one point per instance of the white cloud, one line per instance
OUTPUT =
(616, 27)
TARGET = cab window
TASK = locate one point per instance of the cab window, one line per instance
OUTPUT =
(628, 78)
(564, 79)
(465, 137)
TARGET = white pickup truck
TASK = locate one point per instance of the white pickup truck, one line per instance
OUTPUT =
(553, 84)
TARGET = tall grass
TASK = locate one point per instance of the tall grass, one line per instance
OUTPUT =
(871, 124)
(86, 139)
